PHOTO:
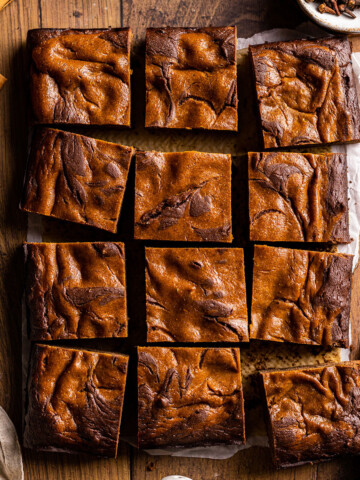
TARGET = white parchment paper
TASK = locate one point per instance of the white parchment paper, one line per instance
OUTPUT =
(34, 234)
(176, 477)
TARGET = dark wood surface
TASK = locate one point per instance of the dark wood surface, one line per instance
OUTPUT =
(250, 16)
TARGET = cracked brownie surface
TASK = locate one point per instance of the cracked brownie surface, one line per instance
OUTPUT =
(306, 92)
(76, 290)
(189, 397)
(296, 197)
(313, 412)
(301, 296)
(80, 76)
(196, 295)
(75, 400)
(183, 196)
(191, 78)
(76, 178)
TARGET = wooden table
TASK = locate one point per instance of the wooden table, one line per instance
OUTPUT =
(250, 16)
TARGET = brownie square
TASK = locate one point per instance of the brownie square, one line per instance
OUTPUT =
(298, 197)
(191, 78)
(306, 92)
(196, 295)
(313, 412)
(75, 290)
(183, 196)
(75, 400)
(76, 178)
(189, 397)
(80, 76)
(301, 296)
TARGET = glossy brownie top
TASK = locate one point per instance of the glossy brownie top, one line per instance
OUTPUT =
(196, 295)
(80, 76)
(75, 400)
(191, 78)
(183, 196)
(189, 397)
(301, 296)
(76, 178)
(306, 92)
(295, 197)
(76, 290)
(313, 412)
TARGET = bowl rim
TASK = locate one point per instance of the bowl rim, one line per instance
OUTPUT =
(329, 21)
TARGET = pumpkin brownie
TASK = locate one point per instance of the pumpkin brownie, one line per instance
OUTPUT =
(306, 92)
(301, 296)
(191, 78)
(196, 295)
(80, 76)
(298, 197)
(75, 400)
(76, 178)
(183, 196)
(189, 397)
(313, 412)
(75, 290)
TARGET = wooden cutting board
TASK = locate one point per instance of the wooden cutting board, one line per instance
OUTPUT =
(251, 16)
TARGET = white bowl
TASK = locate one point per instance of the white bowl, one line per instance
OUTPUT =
(343, 24)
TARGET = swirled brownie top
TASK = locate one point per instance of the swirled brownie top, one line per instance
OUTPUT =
(189, 397)
(313, 412)
(296, 197)
(183, 196)
(191, 78)
(306, 92)
(75, 400)
(76, 178)
(80, 76)
(196, 295)
(301, 296)
(76, 290)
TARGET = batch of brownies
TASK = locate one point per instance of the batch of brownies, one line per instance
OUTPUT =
(190, 396)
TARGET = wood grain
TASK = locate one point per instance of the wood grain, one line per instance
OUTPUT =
(13, 139)
(251, 16)
(253, 463)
